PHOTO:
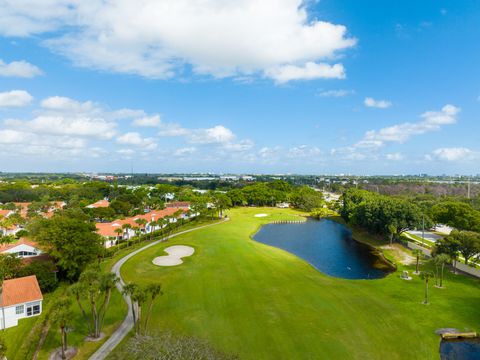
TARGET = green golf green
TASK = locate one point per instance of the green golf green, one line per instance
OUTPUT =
(261, 302)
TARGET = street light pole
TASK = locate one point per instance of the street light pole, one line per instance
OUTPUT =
(423, 229)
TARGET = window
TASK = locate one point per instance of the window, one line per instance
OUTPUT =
(33, 309)
(19, 310)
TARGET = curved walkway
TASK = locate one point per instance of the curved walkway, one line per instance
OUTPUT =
(127, 324)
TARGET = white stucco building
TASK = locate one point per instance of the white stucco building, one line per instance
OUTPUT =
(20, 298)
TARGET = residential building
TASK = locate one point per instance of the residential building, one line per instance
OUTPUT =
(22, 248)
(99, 204)
(19, 298)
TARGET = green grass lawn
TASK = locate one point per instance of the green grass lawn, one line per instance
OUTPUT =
(264, 303)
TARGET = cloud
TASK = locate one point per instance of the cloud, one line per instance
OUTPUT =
(394, 157)
(162, 39)
(303, 151)
(186, 151)
(134, 138)
(400, 133)
(335, 93)
(452, 154)
(147, 121)
(309, 71)
(215, 135)
(379, 104)
(15, 98)
(20, 68)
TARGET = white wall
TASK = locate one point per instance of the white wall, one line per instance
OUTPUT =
(468, 269)
(11, 318)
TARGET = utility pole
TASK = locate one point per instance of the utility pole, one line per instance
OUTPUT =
(423, 228)
(468, 189)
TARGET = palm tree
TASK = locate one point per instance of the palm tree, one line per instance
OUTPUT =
(61, 316)
(107, 284)
(418, 253)
(440, 261)
(119, 233)
(128, 291)
(78, 291)
(152, 291)
(426, 275)
(127, 227)
(153, 224)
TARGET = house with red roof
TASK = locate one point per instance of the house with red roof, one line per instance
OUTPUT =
(99, 204)
(19, 298)
(112, 235)
(22, 248)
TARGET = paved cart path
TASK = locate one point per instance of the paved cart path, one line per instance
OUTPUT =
(127, 324)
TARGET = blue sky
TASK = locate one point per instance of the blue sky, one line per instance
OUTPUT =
(273, 86)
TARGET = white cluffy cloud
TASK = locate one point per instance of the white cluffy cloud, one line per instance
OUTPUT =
(379, 104)
(134, 138)
(147, 121)
(20, 68)
(452, 154)
(15, 98)
(431, 121)
(335, 93)
(394, 157)
(159, 39)
(309, 71)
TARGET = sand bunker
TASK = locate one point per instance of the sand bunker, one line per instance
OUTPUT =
(175, 255)
(261, 215)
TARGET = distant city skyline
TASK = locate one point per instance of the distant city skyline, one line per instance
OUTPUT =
(277, 86)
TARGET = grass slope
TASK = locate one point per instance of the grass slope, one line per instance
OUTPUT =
(264, 303)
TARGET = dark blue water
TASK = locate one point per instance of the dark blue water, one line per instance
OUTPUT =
(327, 245)
(460, 349)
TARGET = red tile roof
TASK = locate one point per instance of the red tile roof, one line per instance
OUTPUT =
(100, 204)
(4, 213)
(108, 229)
(20, 290)
(178, 204)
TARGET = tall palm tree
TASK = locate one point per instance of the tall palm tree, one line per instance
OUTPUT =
(126, 228)
(128, 291)
(152, 291)
(439, 262)
(426, 275)
(418, 253)
(119, 233)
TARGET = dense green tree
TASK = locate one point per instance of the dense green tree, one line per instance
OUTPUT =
(459, 215)
(450, 246)
(468, 243)
(71, 241)
(10, 266)
(45, 273)
(306, 198)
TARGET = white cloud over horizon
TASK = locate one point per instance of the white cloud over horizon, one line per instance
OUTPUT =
(452, 154)
(400, 133)
(161, 40)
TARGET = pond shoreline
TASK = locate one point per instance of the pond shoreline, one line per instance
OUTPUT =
(319, 255)
(375, 250)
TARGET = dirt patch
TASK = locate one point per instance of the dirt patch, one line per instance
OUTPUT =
(94, 339)
(399, 254)
(69, 354)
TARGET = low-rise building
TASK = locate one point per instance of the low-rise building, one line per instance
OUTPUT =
(19, 298)
(99, 204)
(22, 248)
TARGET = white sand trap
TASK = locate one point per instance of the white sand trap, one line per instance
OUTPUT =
(175, 255)
(260, 215)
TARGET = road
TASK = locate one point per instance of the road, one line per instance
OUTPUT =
(127, 325)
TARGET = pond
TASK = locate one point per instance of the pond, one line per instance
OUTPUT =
(326, 245)
(468, 349)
